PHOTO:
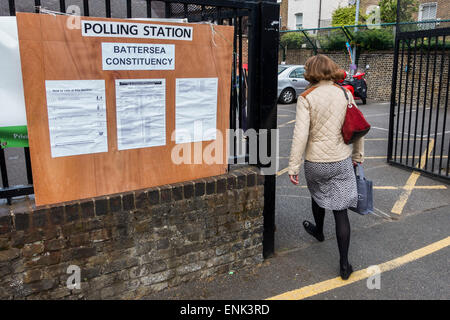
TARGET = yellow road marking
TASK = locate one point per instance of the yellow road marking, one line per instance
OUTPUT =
(279, 173)
(437, 187)
(286, 123)
(377, 157)
(385, 157)
(410, 184)
(331, 284)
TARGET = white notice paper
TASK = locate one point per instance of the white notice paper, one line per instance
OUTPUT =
(141, 113)
(76, 117)
(12, 106)
(196, 109)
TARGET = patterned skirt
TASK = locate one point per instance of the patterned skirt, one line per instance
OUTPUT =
(332, 184)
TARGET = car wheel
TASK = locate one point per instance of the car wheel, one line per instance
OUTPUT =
(287, 96)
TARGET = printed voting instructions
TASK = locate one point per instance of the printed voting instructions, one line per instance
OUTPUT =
(76, 117)
(141, 113)
(196, 109)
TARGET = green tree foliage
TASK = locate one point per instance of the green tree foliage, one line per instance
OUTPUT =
(346, 16)
(388, 10)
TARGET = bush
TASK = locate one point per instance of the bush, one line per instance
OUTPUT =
(377, 39)
(333, 41)
(365, 40)
(292, 40)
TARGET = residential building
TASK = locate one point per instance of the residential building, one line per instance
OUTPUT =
(307, 14)
(428, 9)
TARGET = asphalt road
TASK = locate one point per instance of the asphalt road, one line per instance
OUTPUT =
(382, 237)
(302, 265)
(290, 198)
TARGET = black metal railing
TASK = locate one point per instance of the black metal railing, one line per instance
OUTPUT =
(419, 135)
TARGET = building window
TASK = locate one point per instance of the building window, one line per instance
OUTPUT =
(299, 20)
(427, 11)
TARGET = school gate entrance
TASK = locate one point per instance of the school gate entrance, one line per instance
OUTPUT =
(419, 133)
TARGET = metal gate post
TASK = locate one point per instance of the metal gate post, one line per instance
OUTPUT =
(393, 103)
(264, 103)
(394, 86)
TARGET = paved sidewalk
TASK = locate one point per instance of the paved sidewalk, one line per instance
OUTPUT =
(412, 247)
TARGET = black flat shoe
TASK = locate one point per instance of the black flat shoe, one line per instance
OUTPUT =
(346, 271)
(312, 230)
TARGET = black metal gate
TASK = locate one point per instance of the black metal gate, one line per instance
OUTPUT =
(253, 96)
(419, 133)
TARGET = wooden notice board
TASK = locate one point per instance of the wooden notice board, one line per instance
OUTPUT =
(52, 51)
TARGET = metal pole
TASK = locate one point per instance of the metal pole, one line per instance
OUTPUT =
(310, 42)
(4, 172)
(267, 110)
(356, 29)
(320, 13)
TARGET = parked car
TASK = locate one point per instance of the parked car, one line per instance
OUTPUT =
(291, 82)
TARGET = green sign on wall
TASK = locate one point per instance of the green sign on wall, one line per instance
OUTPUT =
(13, 137)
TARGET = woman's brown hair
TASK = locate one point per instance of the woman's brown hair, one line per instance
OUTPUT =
(320, 67)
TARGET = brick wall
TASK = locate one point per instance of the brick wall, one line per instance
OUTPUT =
(284, 5)
(378, 78)
(433, 74)
(133, 244)
(379, 75)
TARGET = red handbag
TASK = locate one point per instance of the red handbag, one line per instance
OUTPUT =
(355, 125)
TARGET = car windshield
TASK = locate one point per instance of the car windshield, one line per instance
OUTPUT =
(281, 69)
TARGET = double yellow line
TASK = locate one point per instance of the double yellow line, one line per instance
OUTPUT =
(411, 182)
(331, 284)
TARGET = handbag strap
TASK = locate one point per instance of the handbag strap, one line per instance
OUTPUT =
(345, 93)
(361, 170)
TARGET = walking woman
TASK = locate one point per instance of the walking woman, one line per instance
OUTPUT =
(328, 160)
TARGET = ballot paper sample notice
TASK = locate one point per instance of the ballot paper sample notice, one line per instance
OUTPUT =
(196, 109)
(76, 117)
(141, 113)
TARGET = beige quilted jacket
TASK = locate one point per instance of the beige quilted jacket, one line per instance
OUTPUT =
(317, 133)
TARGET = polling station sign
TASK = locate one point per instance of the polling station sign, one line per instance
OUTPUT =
(90, 28)
(138, 56)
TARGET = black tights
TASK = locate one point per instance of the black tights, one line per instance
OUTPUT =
(342, 229)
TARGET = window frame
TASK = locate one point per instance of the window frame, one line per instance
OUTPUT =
(421, 9)
(298, 14)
